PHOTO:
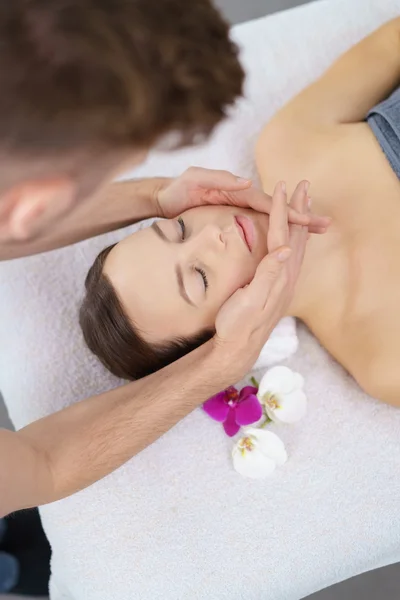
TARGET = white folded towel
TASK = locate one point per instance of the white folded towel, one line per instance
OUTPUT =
(282, 343)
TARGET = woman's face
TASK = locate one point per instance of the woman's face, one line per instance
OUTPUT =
(172, 278)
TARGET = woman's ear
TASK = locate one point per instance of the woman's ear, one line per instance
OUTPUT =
(30, 207)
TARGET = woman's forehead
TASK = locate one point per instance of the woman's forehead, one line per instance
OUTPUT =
(142, 271)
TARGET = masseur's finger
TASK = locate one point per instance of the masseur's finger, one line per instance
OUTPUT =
(278, 231)
(216, 179)
(299, 199)
(315, 223)
(251, 198)
(298, 235)
(268, 272)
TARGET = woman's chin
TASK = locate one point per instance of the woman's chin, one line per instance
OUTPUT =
(261, 222)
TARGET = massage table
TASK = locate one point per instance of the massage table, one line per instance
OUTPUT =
(177, 522)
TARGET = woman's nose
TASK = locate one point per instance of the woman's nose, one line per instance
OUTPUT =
(210, 238)
(214, 235)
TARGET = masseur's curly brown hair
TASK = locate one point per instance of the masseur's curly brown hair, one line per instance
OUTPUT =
(114, 74)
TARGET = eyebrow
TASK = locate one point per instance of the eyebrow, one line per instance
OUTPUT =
(182, 290)
(178, 268)
(159, 232)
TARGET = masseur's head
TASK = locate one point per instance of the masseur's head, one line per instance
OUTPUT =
(88, 86)
(154, 296)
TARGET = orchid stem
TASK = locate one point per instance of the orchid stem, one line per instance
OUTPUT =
(254, 381)
(266, 422)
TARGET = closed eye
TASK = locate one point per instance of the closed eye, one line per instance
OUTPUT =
(198, 269)
(183, 228)
(204, 276)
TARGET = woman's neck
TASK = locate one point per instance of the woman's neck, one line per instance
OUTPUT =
(322, 277)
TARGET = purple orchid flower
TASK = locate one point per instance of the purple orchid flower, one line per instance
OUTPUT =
(234, 408)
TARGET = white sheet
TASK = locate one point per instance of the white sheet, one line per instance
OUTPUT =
(176, 522)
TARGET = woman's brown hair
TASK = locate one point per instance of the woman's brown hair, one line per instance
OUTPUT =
(113, 338)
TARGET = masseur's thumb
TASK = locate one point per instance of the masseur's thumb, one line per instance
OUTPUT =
(257, 293)
(269, 269)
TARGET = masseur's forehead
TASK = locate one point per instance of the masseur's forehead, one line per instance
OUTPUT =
(142, 271)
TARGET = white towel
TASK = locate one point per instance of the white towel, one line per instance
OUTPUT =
(282, 343)
(176, 522)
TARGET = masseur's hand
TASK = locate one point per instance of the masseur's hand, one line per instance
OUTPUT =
(197, 186)
(246, 320)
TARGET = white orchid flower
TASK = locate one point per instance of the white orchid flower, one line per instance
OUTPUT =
(257, 453)
(281, 393)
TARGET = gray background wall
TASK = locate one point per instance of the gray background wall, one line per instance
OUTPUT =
(383, 583)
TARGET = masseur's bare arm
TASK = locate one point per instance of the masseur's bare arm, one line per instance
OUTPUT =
(116, 205)
(121, 204)
(67, 451)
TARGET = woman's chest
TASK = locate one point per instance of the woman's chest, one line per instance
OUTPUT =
(351, 285)
(349, 288)
(361, 193)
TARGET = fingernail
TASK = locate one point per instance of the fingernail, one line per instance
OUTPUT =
(306, 186)
(284, 254)
(242, 180)
(309, 202)
(283, 187)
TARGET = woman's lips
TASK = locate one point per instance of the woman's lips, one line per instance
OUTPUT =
(246, 230)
